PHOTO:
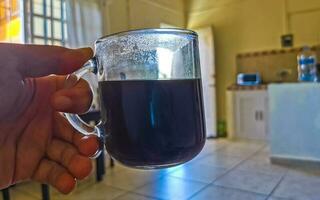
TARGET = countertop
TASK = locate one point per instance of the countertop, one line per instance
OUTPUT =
(236, 87)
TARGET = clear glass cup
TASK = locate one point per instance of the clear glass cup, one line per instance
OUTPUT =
(150, 97)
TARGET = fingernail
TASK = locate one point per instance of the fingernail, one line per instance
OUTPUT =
(71, 80)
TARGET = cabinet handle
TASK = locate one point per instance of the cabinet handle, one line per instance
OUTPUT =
(261, 115)
(257, 115)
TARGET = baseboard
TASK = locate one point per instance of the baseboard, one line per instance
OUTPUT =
(295, 162)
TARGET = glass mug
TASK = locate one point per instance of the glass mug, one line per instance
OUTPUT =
(150, 97)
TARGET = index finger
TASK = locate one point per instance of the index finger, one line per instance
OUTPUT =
(43, 60)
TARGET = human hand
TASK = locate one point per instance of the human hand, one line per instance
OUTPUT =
(36, 142)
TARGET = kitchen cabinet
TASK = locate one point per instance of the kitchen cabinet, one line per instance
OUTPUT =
(247, 114)
(294, 126)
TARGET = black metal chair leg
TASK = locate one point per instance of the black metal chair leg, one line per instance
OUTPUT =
(100, 167)
(45, 192)
(6, 194)
(111, 162)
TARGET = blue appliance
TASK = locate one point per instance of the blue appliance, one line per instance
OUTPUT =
(248, 79)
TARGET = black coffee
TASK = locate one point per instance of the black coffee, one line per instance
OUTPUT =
(153, 123)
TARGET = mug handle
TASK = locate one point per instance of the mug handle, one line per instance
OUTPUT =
(74, 119)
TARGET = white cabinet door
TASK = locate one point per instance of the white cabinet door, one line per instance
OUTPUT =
(250, 115)
(247, 117)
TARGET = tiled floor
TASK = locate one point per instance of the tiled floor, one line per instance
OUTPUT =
(224, 170)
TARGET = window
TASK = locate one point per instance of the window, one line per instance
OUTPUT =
(47, 22)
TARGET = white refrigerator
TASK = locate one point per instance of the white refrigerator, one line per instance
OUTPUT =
(207, 62)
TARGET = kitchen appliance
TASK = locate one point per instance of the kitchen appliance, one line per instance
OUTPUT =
(248, 79)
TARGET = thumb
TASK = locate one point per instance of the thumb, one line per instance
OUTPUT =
(41, 60)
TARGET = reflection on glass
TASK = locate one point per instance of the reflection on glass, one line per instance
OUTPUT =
(165, 62)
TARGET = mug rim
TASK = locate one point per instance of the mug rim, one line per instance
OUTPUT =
(148, 31)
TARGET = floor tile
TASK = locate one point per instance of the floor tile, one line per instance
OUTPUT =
(251, 181)
(212, 145)
(171, 188)
(34, 188)
(130, 179)
(238, 151)
(277, 198)
(220, 160)
(261, 156)
(236, 170)
(172, 169)
(20, 195)
(116, 168)
(132, 196)
(217, 142)
(304, 172)
(31, 188)
(98, 191)
(299, 187)
(220, 193)
(249, 144)
(196, 159)
(199, 172)
(81, 185)
(263, 166)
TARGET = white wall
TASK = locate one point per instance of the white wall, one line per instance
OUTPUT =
(303, 19)
(133, 14)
